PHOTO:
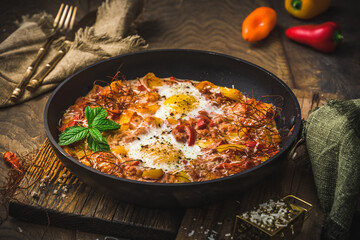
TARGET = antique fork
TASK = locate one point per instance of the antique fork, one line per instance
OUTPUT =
(63, 22)
(39, 77)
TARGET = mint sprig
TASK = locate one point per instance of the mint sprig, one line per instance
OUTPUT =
(97, 123)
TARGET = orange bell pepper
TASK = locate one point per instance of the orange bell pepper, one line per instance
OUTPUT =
(258, 24)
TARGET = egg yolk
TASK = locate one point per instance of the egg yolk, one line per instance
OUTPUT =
(181, 103)
(161, 152)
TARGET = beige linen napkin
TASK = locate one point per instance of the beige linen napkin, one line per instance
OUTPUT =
(111, 35)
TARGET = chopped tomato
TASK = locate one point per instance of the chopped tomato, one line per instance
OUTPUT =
(71, 123)
(204, 120)
(201, 124)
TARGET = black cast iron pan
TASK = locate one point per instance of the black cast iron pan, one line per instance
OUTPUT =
(183, 64)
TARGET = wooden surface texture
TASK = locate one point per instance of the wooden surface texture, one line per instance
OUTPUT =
(210, 25)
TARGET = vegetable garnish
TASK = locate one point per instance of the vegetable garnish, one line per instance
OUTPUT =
(97, 122)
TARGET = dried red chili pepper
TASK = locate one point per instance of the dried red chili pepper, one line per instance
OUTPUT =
(11, 159)
(324, 37)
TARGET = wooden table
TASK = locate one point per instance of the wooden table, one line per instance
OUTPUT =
(210, 25)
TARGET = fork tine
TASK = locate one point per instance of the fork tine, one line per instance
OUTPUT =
(73, 18)
(67, 20)
(57, 18)
(62, 19)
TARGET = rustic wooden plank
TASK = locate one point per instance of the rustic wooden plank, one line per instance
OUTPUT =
(82, 208)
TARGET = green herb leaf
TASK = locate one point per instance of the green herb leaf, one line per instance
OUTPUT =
(96, 134)
(72, 134)
(106, 125)
(96, 119)
(96, 141)
(94, 114)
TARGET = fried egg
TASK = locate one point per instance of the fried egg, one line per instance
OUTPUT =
(159, 149)
(183, 101)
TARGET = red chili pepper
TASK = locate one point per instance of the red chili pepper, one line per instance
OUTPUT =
(11, 159)
(323, 37)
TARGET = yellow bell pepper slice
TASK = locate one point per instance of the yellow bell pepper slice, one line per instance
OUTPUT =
(126, 117)
(181, 177)
(231, 93)
(119, 150)
(150, 80)
(204, 84)
(224, 147)
(153, 174)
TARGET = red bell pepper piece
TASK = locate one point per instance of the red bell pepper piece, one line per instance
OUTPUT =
(324, 37)
(191, 135)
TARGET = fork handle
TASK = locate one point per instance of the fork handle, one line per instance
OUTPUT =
(19, 90)
(38, 79)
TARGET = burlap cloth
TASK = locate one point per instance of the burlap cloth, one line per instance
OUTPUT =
(332, 135)
(111, 35)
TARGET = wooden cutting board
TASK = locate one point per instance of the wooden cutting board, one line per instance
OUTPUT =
(50, 195)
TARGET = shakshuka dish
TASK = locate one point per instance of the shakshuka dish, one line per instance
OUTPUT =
(168, 130)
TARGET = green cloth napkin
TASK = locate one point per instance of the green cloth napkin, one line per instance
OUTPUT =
(332, 135)
(111, 35)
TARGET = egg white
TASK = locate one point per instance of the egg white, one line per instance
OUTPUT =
(163, 134)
